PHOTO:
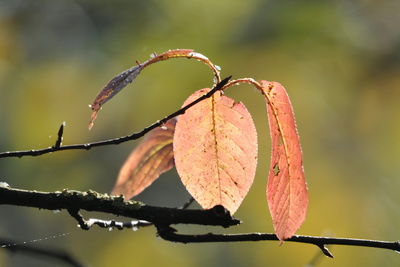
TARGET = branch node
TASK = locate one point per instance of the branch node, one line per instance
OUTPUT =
(326, 251)
(220, 211)
(59, 136)
(187, 203)
(77, 216)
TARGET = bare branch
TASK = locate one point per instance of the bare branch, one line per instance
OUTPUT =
(163, 218)
(73, 201)
(115, 141)
(170, 234)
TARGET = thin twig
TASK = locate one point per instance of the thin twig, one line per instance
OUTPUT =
(188, 203)
(60, 136)
(87, 224)
(115, 141)
(170, 234)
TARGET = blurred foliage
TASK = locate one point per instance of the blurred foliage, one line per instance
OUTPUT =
(339, 61)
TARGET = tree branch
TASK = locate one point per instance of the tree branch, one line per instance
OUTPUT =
(73, 201)
(321, 242)
(116, 141)
(162, 218)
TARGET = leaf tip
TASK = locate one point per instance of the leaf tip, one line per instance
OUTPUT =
(92, 118)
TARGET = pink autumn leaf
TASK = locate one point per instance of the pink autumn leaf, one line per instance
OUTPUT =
(286, 189)
(215, 147)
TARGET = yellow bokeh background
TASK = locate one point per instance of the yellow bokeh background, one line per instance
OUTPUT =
(338, 60)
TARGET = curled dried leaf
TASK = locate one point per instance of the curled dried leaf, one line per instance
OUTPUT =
(123, 79)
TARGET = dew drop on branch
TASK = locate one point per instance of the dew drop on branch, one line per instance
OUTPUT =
(198, 56)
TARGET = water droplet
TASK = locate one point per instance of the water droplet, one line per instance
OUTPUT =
(110, 229)
(4, 184)
(198, 55)
(90, 222)
(164, 127)
(217, 67)
(135, 228)
(56, 211)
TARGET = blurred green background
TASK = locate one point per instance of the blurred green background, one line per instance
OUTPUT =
(339, 61)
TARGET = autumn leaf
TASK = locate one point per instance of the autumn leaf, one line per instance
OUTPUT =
(215, 148)
(286, 189)
(152, 157)
(123, 79)
(112, 88)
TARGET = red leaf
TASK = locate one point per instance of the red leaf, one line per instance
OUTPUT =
(286, 189)
(152, 157)
(215, 148)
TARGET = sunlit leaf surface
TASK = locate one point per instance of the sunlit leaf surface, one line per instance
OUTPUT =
(215, 147)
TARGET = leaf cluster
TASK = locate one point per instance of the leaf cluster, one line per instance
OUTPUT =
(214, 147)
